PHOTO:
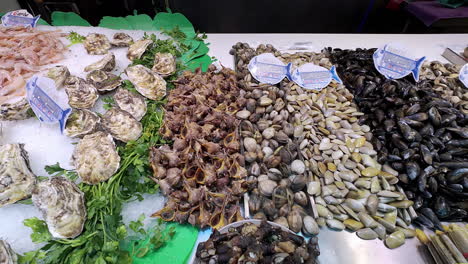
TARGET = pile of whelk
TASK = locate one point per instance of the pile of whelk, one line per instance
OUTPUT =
(202, 172)
(314, 164)
(420, 130)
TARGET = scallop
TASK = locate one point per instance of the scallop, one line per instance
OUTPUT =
(164, 64)
(147, 83)
(15, 109)
(7, 255)
(121, 125)
(95, 158)
(81, 122)
(16, 179)
(96, 44)
(121, 40)
(103, 81)
(62, 205)
(131, 102)
(138, 48)
(81, 94)
(59, 74)
(107, 63)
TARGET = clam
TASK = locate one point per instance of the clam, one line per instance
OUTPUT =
(59, 74)
(282, 221)
(16, 179)
(309, 226)
(81, 94)
(295, 221)
(95, 158)
(266, 187)
(353, 225)
(62, 205)
(7, 255)
(103, 81)
(107, 63)
(121, 125)
(121, 40)
(395, 239)
(366, 234)
(131, 102)
(81, 122)
(138, 48)
(164, 64)
(335, 224)
(96, 44)
(147, 83)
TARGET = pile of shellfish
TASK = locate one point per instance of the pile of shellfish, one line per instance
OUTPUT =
(313, 162)
(246, 244)
(202, 173)
(420, 131)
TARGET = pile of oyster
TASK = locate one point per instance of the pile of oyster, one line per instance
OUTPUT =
(251, 243)
(314, 163)
(202, 172)
(420, 131)
(60, 201)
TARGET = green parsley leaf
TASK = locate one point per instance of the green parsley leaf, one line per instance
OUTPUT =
(39, 227)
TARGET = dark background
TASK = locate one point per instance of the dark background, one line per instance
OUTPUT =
(250, 16)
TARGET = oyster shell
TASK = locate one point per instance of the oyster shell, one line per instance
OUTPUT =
(81, 122)
(138, 48)
(147, 83)
(122, 125)
(95, 158)
(96, 44)
(131, 102)
(107, 63)
(62, 205)
(15, 109)
(164, 64)
(16, 179)
(80, 93)
(121, 40)
(103, 81)
(59, 74)
(7, 255)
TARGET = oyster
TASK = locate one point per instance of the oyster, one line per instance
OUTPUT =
(16, 179)
(81, 122)
(164, 64)
(80, 93)
(131, 102)
(15, 109)
(7, 255)
(96, 158)
(147, 83)
(59, 74)
(122, 125)
(107, 63)
(103, 81)
(96, 44)
(138, 48)
(121, 40)
(62, 205)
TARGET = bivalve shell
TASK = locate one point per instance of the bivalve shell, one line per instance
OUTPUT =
(121, 40)
(121, 125)
(395, 239)
(96, 44)
(147, 83)
(366, 234)
(62, 205)
(164, 64)
(131, 102)
(16, 179)
(81, 122)
(7, 255)
(107, 63)
(96, 158)
(81, 94)
(138, 48)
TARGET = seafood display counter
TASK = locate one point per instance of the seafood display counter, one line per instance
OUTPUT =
(229, 146)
